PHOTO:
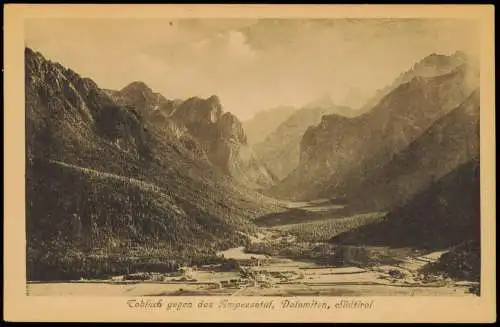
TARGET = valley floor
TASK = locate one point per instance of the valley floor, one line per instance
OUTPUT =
(303, 279)
(265, 275)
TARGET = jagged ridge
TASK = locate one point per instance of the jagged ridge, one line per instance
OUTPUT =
(85, 150)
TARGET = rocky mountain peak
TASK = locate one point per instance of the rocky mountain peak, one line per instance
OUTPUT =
(215, 101)
(74, 103)
(437, 64)
(230, 127)
(136, 86)
(195, 111)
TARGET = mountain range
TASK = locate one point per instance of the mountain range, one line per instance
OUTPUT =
(280, 150)
(432, 65)
(123, 178)
(105, 174)
(341, 156)
(265, 122)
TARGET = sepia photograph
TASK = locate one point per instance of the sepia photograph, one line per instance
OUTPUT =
(253, 157)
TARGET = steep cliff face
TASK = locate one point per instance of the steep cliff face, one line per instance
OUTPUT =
(234, 154)
(341, 151)
(204, 120)
(223, 139)
(103, 178)
(226, 143)
(230, 128)
(197, 114)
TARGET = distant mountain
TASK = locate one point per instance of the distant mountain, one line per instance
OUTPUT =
(280, 151)
(327, 103)
(355, 99)
(445, 214)
(224, 140)
(106, 184)
(431, 66)
(265, 122)
(342, 151)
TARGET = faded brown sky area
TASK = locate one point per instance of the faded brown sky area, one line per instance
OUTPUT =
(252, 65)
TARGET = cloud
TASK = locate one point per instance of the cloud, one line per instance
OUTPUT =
(226, 46)
(237, 45)
(251, 64)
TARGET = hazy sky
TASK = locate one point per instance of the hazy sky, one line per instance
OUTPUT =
(251, 65)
